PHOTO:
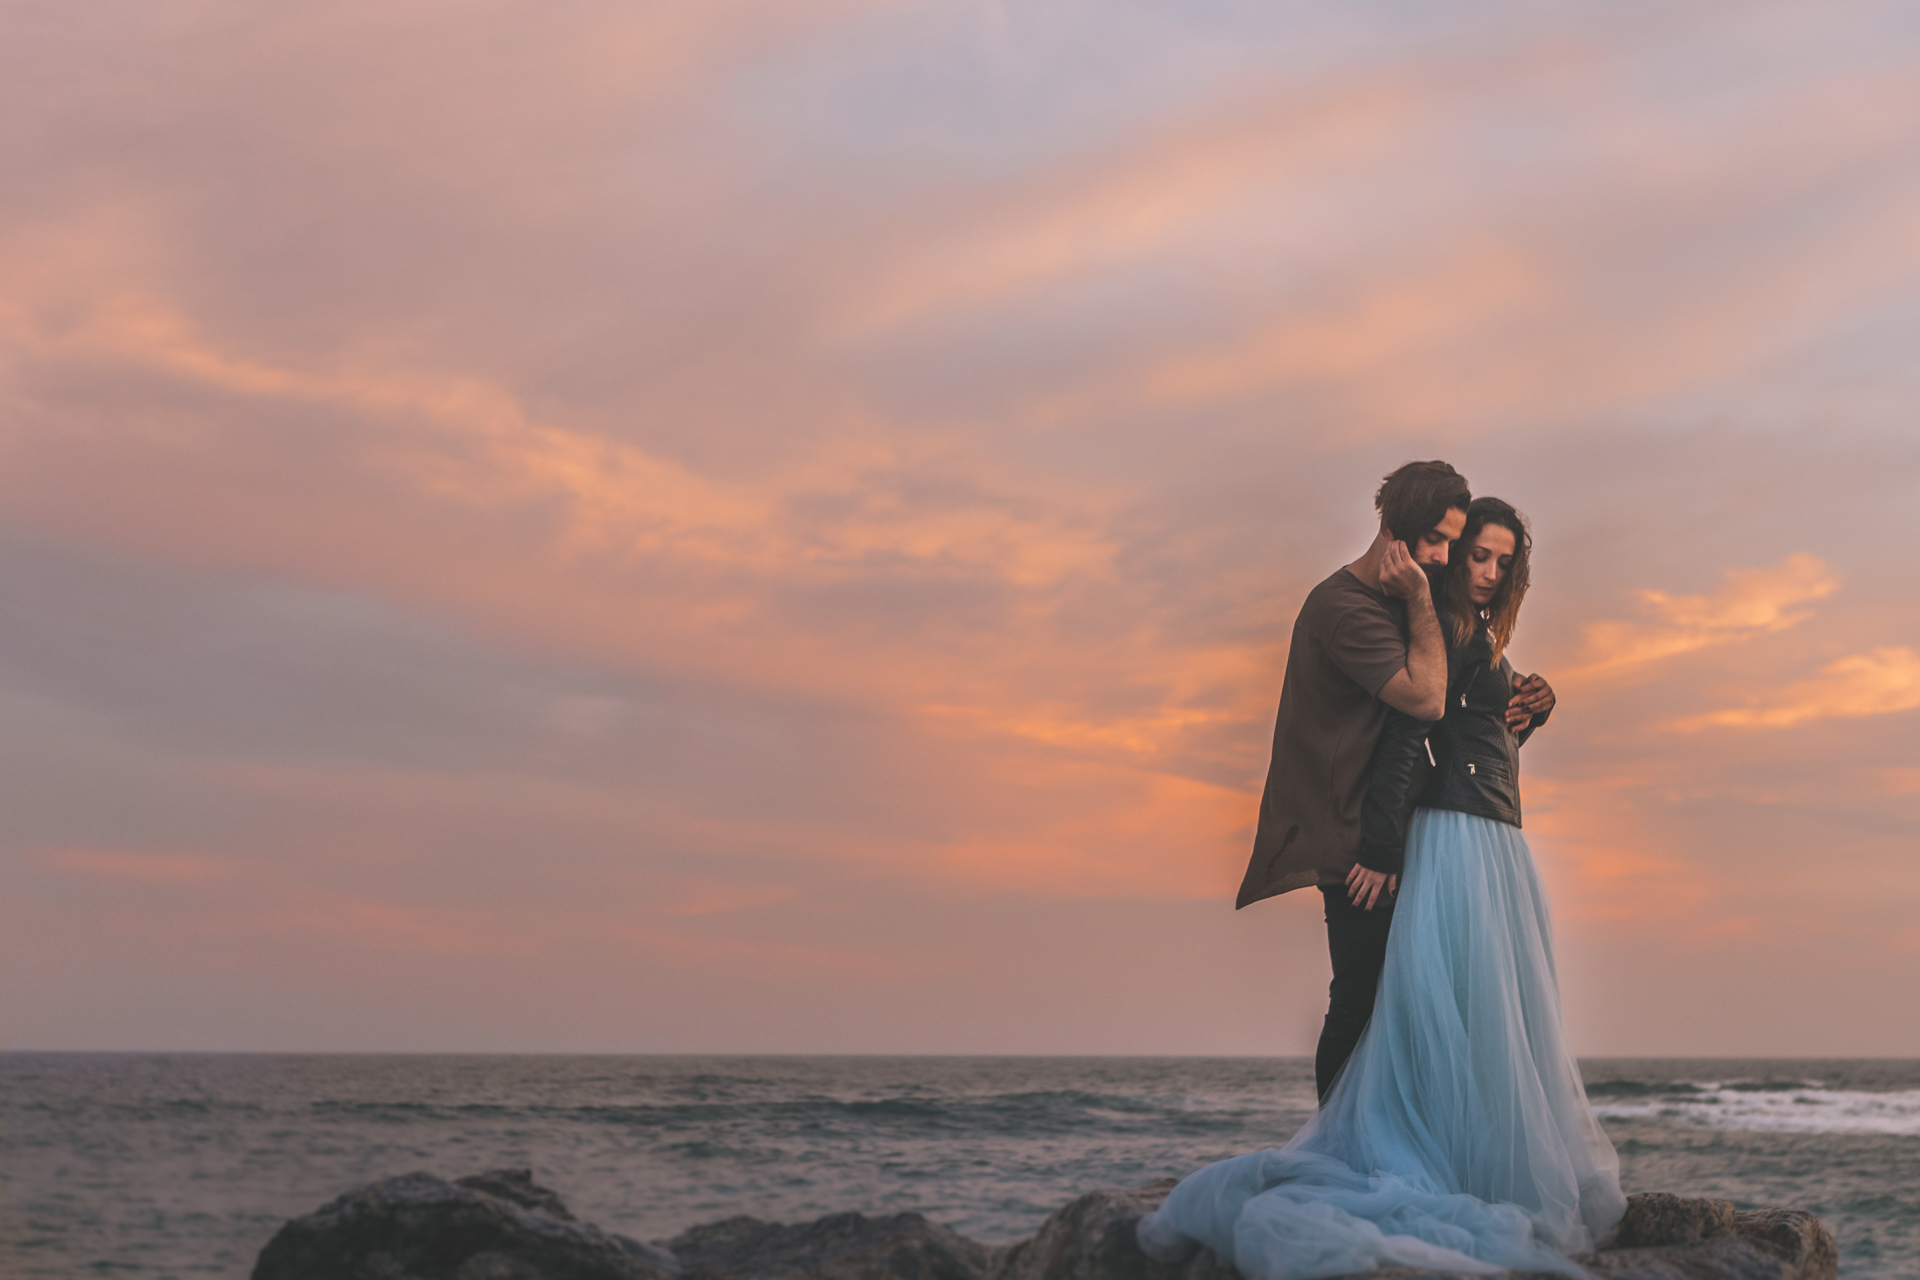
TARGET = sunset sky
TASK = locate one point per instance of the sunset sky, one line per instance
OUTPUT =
(773, 525)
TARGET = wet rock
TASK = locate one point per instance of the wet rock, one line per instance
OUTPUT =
(1662, 1237)
(419, 1227)
(1090, 1239)
(518, 1186)
(503, 1226)
(1797, 1238)
(1659, 1218)
(1665, 1237)
(1093, 1239)
(842, 1246)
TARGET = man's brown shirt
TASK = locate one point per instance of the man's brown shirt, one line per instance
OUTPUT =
(1348, 641)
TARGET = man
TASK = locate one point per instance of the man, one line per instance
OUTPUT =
(1366, 640)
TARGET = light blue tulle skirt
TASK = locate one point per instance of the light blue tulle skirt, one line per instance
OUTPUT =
(1458, 1136)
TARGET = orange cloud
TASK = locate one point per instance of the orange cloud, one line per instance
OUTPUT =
(1058, 726)
(1874, 683)
(1754, 602)
(1604, 860)
(1103, 831)
(1196, 690)
(467, 448)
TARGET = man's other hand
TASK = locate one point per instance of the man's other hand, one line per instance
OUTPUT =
(1364, 886)
(1532, 696)
(1399, 575)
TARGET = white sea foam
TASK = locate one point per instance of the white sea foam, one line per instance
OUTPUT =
(1787, 1109)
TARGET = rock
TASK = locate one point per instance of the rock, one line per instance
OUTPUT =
(842, 1246)
(503, 1226)
(1092, 1239)
(1659, 1218)
(518, 1186)
(496, 1226)
(1662, 1237)
(1665, 1237)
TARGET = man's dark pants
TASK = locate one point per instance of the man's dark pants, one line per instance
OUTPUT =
(1357, 942)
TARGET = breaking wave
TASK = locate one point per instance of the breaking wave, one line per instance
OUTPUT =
(1768, 1106)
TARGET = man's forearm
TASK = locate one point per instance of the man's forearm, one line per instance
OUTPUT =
(1426, 656)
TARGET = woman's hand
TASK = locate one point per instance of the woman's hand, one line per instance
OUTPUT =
(1532, 696)
(1363, 886)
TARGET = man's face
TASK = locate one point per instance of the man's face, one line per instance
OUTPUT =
(1431, 546)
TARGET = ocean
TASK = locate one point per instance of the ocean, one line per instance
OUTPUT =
(177, 1165)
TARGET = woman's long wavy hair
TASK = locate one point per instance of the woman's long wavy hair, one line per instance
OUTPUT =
(1503, 611)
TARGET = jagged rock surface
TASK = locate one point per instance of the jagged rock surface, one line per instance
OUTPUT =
(1092, 1239)
(503, 1226)
(1663, 1237)
(518, 1186)
(496, 1226)
(1667, 1238)
(842, 1246)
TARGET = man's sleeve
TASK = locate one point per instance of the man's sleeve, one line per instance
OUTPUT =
(1369, 647)
(1537, 721)
(1397, 777)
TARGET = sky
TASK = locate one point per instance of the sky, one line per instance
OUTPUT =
(773, 525)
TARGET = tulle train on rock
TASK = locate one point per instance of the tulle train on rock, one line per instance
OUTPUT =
(1458, 1136)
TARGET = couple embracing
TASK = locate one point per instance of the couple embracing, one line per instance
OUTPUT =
(1453, 1130)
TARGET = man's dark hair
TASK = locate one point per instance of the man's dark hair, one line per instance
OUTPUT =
(1418, 496)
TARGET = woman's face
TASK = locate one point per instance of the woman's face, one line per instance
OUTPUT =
(1488, 560)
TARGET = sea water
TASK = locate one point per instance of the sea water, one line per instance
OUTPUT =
(176, 1165)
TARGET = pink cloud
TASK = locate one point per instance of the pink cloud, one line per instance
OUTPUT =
(391, 928)
(136, 866)
(790, 361)
(775, 961)
(719, 898)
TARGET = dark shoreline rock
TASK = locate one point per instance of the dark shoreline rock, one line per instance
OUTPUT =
(496, 1226)
(1665, 1237)
(841, 1246)
(501, 1225)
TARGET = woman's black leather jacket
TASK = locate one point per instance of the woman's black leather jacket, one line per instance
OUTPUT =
(1468, 760)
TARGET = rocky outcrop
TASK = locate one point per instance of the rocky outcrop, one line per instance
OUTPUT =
(497, 1226)
(518, 1186)
(1663, 1237)
(1667, 1238)
(503, 1226)
(842, 1246)
(1093, 1239)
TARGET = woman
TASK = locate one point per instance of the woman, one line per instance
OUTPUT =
(1458, 1136)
